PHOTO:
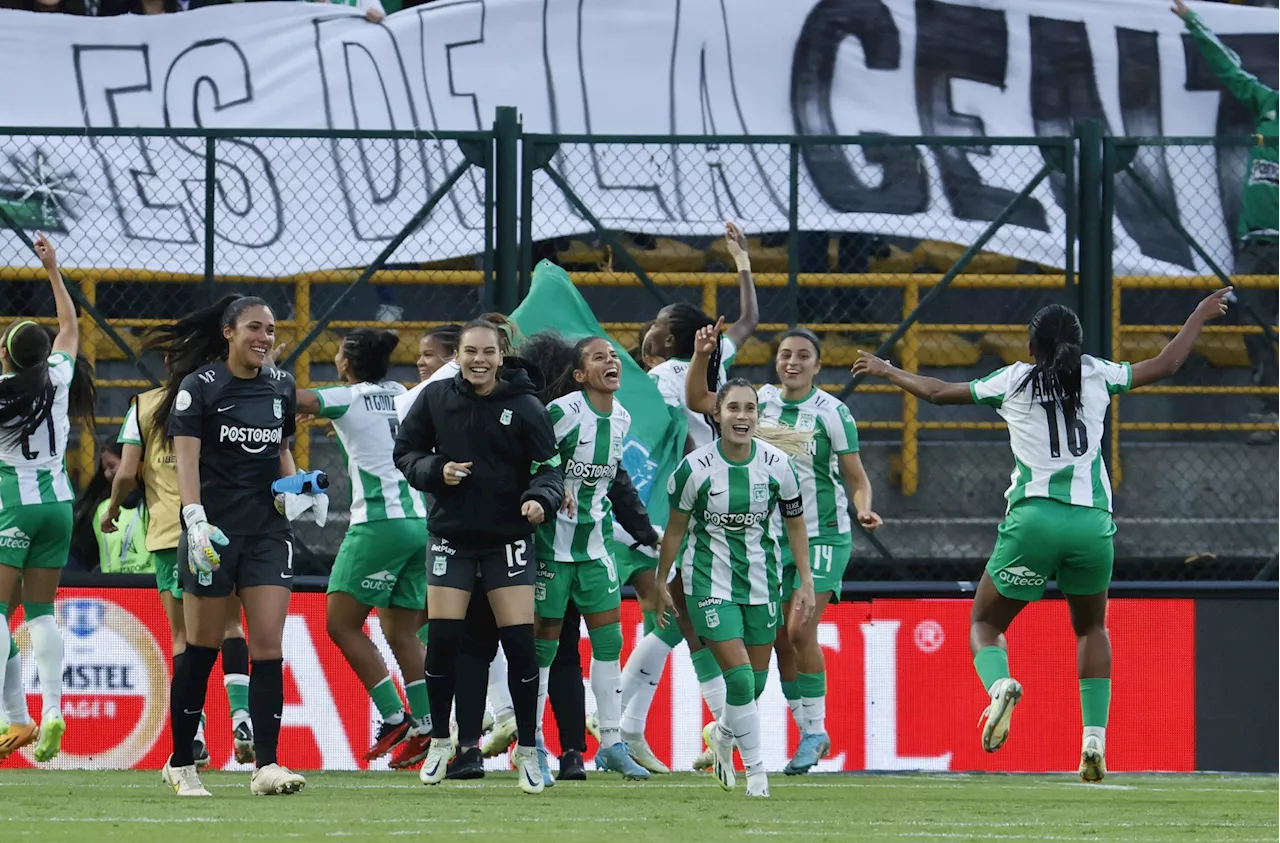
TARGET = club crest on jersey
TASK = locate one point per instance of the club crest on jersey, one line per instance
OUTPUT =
(277, 407)
(759, 493)
(506, 417)
(806, 421)
(615, 448)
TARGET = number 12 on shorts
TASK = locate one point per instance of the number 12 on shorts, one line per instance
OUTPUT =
(515, 554)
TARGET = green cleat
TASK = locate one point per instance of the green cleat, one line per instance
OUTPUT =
(50, 743)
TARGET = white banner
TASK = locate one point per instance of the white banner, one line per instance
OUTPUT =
(659, 67)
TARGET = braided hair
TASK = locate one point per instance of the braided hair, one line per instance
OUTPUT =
(1056, 340)
(368, 353)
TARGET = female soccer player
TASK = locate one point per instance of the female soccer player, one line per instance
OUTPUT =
(574, 562)
(437, 351)
(39, 393)
(829, 467)
(230, 422)
(1058, 524)
(671, 338)
(147, 455)
(722, 498)
(381, 563)
(483, 446)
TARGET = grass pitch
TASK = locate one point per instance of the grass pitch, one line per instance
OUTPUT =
(38, 805)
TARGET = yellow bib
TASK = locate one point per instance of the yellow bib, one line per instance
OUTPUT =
(160, 474)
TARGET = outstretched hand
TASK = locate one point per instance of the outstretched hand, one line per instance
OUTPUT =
(1180, 9)
(869, 364)
(1215, 304)
(45, 251)
(707, 339)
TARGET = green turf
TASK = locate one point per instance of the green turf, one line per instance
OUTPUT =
(88, 807)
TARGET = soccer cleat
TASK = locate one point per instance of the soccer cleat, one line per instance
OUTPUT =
(643, 755)
(593, 726)
(200, 753)
(722, 746)
(390, 735)
(616, 759)
(50, 742)
(525, 759)
(185, 781)
(468, 764)
(436, 766)
(16, 736)
(544, 764)
(242, 735)
(1093, 762)
(486, 725)
(758, 785)
(706, 759)
(997, 715)
(571, 767)
(812, 749)
(414, 748)
(274, 780)
(500, 738)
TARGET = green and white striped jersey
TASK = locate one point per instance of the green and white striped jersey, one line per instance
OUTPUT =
(34, 470)
(1053, 456)
(731, 551)
(670, 377)
(590, 447)
(364, 416)
(826, 512)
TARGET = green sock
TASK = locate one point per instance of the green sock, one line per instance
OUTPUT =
(790, 690)
(761, 679)
(422, 634)
(704, 665)
(546, 650)
(812, 685)
(992, 664)
(419, 705)
(237, 697)
(387, 699)
(1095, 701)
(650, 618)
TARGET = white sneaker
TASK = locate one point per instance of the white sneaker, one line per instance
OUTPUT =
(758, 785)
(437, 763)
(706, 759)
(525, 760)
(185, 781)
(274, 779)
(722, 745)
(500, 739)
(995, 718)
(1093, 761)
(643, 754)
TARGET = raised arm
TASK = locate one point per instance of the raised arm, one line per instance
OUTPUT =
(929, 389)
(696, 393)
(1225, 63)
(68, 338)
(1173, 355)
(748, 308)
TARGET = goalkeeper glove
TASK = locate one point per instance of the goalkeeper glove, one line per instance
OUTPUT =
(201, 537)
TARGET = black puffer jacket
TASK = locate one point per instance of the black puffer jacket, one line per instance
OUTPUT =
(506, 436)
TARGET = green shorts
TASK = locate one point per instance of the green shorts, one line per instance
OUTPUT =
(36, 535)
(592, 586)
(167, 577)
(827, 561)
(383, 563)
(722, 620)
(1042, 539)
(630, 562)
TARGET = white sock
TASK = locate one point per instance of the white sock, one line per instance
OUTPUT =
(713, 693)
(499, 694)
(7, 664)
(1099, 732)
(743, 721)
(199, 729)
(606, 684)
(640, 680)
(796, 707)
(228, 680)
(544, 679)
(46, 642)
(15, 696)
(814, 714)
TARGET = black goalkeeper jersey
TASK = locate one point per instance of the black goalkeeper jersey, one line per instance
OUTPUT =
(241, 423)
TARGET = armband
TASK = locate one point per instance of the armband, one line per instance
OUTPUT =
(792, 509)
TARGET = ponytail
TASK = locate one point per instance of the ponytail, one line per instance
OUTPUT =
(26, 396)
(1056, 345)
(368, 351)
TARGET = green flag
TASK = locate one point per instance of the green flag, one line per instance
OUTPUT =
(655, 443)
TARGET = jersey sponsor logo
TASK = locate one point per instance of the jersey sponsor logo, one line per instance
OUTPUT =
(709, 601)
(275, 374)
(590, 473)
(546, 573)
(249, 437)
(208, 376)
(381, 581)
(1020, 575)
(14, 539)
(182, 400)
(734, 520)
(277, 407)
(441, 546)
(505, 418)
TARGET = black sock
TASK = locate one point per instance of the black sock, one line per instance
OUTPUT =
(266, 704)
(191, 671)
(470, 690)
(444, 635)
(522, 679)
(235, 656)
(565, 690)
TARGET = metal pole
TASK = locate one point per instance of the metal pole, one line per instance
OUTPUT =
(210, 291)
(506, 130)
(793, 237)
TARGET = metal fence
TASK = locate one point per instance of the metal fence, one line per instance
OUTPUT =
(447, 225)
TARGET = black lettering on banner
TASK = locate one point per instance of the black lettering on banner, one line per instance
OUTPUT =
(249, 210)
(1064, 90)
(964, 42)
(903, 181)
(1259, 56)
(144, 189)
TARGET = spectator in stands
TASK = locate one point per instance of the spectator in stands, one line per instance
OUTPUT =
(374, 11)
(1259, 227)
(123, 551)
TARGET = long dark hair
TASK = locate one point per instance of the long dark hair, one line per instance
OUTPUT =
(1056, 340)
(97, 490)
(368, 352)
(685, 321)
(193, 341)
(555, 359)
(447, 336)
(26, 398)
